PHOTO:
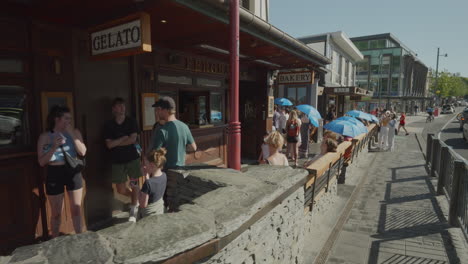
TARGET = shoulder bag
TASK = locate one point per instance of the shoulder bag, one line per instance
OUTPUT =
(75, 164)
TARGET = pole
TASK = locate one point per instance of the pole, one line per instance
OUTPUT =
(436, 77)
(234, 131)
(380, 85)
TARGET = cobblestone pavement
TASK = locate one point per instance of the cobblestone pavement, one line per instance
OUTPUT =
(396, 218)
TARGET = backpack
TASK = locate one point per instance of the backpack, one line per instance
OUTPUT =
(293, 129)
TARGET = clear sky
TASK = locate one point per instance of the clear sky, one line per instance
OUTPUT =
(422, 25)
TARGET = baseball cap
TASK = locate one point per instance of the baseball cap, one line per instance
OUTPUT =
(165, 102)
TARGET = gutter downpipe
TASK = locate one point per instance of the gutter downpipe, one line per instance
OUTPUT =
(234, 130)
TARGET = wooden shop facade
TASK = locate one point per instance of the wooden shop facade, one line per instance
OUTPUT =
(85, 53)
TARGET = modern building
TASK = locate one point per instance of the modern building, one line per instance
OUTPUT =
(392, 71)
(260, 8)
(83, 55)
(336, 84)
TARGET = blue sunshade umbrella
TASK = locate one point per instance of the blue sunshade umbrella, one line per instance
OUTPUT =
(374, 119)
(311, 113)
(344, 128)
(359, 114)
(283, 102)
(353, 120)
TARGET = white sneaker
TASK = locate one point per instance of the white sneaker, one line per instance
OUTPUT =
(132, 219)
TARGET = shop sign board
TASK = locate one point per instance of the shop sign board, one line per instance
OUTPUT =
(122, 37)
(295, 77)
(341, 90)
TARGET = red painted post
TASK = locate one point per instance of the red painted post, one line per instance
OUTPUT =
(234, 152)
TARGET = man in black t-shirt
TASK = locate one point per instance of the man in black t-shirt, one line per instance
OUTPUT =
(121, 135)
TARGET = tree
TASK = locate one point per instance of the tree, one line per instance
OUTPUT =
(449, 84)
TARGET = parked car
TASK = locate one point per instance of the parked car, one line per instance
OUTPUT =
(465, 132)
(463, 118)
(447, 109)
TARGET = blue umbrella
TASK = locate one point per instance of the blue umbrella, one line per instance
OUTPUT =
(359, 114)
(374, 119)
(344, 128)
(311, 113)
(283, 102)
(353, 120)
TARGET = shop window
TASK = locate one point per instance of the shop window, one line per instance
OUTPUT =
(194, 108)
(14, 129)
(11, 66)
(384, 86)
(363, 66)
(217, 108)
(174, 79)
(396, 64)
(297, 95)
(208, 82)
(395, 82)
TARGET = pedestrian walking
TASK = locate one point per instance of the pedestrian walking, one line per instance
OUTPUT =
(305, 132)
(392, 130)
(54, 147)
(402, 123)
(293, 129)
(330, 114)
(282, 120)
(265, 150)
(120, 136)
(153, 189)
(276, 118)
(383, 133)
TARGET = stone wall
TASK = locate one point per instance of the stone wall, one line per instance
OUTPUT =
(256, 216)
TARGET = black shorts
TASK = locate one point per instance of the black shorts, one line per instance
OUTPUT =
(291, 139)
(61, 176)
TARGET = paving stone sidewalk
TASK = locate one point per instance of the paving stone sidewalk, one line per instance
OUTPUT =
(396, 218)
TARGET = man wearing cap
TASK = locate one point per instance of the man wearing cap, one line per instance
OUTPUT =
(175, 136)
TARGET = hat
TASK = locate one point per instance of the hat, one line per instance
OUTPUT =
(165, 102)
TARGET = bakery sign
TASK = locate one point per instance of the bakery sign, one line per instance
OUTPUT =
(295, 77)
(122, 37)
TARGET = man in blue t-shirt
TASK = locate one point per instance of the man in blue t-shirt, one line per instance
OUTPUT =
(175, 136)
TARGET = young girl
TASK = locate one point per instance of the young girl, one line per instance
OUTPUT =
(152, 192)
(275, 142)
(265, 153)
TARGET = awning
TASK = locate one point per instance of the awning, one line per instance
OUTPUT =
(348, 90)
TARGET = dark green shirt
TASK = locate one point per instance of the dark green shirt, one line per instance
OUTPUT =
(174, 136)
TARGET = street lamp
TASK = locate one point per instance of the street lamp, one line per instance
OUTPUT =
(437, 70)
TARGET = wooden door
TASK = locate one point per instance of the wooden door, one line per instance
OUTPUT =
(252, 111)
(97, 83)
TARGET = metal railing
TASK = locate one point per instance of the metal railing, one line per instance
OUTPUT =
(319, 182)
(451, 171)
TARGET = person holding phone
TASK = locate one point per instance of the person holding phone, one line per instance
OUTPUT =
(61, 137)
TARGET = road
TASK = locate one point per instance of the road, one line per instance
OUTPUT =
(452, 136)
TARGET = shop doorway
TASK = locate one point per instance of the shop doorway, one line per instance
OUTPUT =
(97, 83)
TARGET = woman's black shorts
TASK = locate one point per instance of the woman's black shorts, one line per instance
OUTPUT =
(291, 139)
(61, 176)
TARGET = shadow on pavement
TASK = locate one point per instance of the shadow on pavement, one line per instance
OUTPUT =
(454, 130)
(457, 143)
(402, 217)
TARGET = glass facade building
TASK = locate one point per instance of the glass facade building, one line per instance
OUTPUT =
(390, 70)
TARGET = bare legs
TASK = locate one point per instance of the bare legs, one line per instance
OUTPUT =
(404, 128)
(56, 207)
(293, 151)
(75, 198)
(123, 189)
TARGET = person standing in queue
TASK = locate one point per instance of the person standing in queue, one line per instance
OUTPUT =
(174, 136)
(120, 136)
(52, 145)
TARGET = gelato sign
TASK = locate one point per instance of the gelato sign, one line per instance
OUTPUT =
(123, 37)
(295, 77)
